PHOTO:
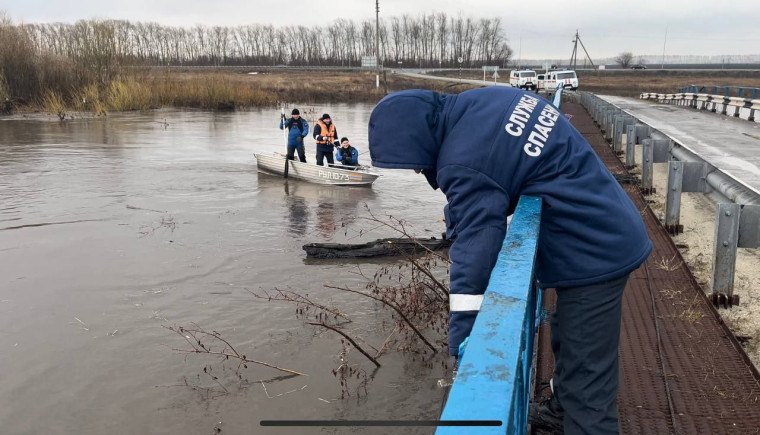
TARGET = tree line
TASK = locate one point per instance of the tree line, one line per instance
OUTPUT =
(430, 40)
(39, 56)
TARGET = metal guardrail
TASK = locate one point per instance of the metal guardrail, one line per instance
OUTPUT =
(737, 107)
(739, 91)
(738, 212)
(493, 381)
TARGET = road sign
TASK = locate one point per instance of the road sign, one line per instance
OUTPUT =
(490, 67)
(369, 62)
(496, 75)
(460, 59)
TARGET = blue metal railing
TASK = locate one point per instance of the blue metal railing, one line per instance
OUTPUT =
(494, 377)
(726, 91)
(557, 97)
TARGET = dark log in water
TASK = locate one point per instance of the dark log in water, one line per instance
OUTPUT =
(376, 248)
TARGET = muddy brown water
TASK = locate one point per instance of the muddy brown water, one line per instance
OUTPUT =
(113, 227)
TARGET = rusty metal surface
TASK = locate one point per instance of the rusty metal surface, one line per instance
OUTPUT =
(695, 378)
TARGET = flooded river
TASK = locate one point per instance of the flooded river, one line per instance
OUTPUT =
(113, 227)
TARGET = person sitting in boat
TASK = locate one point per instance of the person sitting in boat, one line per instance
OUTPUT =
(325, 135)
(298, 128)
(347, 154)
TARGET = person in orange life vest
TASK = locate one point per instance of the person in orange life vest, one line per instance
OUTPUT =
(325, 135)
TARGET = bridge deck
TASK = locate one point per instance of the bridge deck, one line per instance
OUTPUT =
(682, 371)
(731, 145)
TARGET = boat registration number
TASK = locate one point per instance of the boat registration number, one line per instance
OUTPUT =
(333, 175)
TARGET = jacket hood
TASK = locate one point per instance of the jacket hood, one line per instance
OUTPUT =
(406, 131)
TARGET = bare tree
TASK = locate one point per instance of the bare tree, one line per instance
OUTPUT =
(624, 59)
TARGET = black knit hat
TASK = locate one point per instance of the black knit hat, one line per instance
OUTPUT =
(343, 139)
(295, 112)
(325, 116)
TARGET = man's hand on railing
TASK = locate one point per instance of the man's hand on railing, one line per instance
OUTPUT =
(462, 347)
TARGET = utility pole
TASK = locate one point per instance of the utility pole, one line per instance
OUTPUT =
(662, 65)
(377, 42)
(574, 56)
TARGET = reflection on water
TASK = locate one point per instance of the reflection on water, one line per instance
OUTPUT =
(90, 271)
(298, 215)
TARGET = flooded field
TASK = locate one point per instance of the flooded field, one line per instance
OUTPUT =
(112, 227)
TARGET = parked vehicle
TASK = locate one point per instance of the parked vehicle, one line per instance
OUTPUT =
(639, 66)
(523, 79)
(541, 81)
(567, 77)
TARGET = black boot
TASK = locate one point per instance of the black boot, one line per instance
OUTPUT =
(547, 415)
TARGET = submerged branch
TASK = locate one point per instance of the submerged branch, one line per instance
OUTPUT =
(347, 337)
(395, 307)
(198, 347)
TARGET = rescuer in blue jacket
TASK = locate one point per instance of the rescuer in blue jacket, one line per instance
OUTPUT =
(485, 148)
(298, 128)
(347, 154)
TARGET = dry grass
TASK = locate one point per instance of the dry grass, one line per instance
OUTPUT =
(53, 103)
(148, 88)
(128, 94)
(208, 91)
(669, 264)
(87, 99)
(692, 313)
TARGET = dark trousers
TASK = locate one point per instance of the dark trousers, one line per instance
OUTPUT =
(322, 153)
(301, 152)
(585, 334)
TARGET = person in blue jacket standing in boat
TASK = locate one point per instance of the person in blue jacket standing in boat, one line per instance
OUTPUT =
(484, 148)
(298, 128)
(347, 154)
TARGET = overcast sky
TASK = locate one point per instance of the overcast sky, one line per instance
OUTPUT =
(535, 29)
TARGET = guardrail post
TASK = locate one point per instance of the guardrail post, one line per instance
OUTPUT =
(647, 167)
(724, 253)
(617, 131)
(673, 197)
(736, 226)
(621, 134)
(610, 124)
(643, 131)
(630, 146)
(655, 151)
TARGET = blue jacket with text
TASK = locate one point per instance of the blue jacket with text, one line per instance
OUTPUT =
(486, 147)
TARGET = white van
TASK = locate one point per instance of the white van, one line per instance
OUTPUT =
(541, 81)
(523, 79)
(567, 77)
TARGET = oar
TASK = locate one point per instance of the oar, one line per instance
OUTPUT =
(285, 135)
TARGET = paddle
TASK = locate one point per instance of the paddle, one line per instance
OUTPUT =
(285, 135)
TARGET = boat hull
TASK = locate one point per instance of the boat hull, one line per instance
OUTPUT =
(275, 164)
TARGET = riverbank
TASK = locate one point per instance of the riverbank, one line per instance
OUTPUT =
(224, 89)
(232, 89)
